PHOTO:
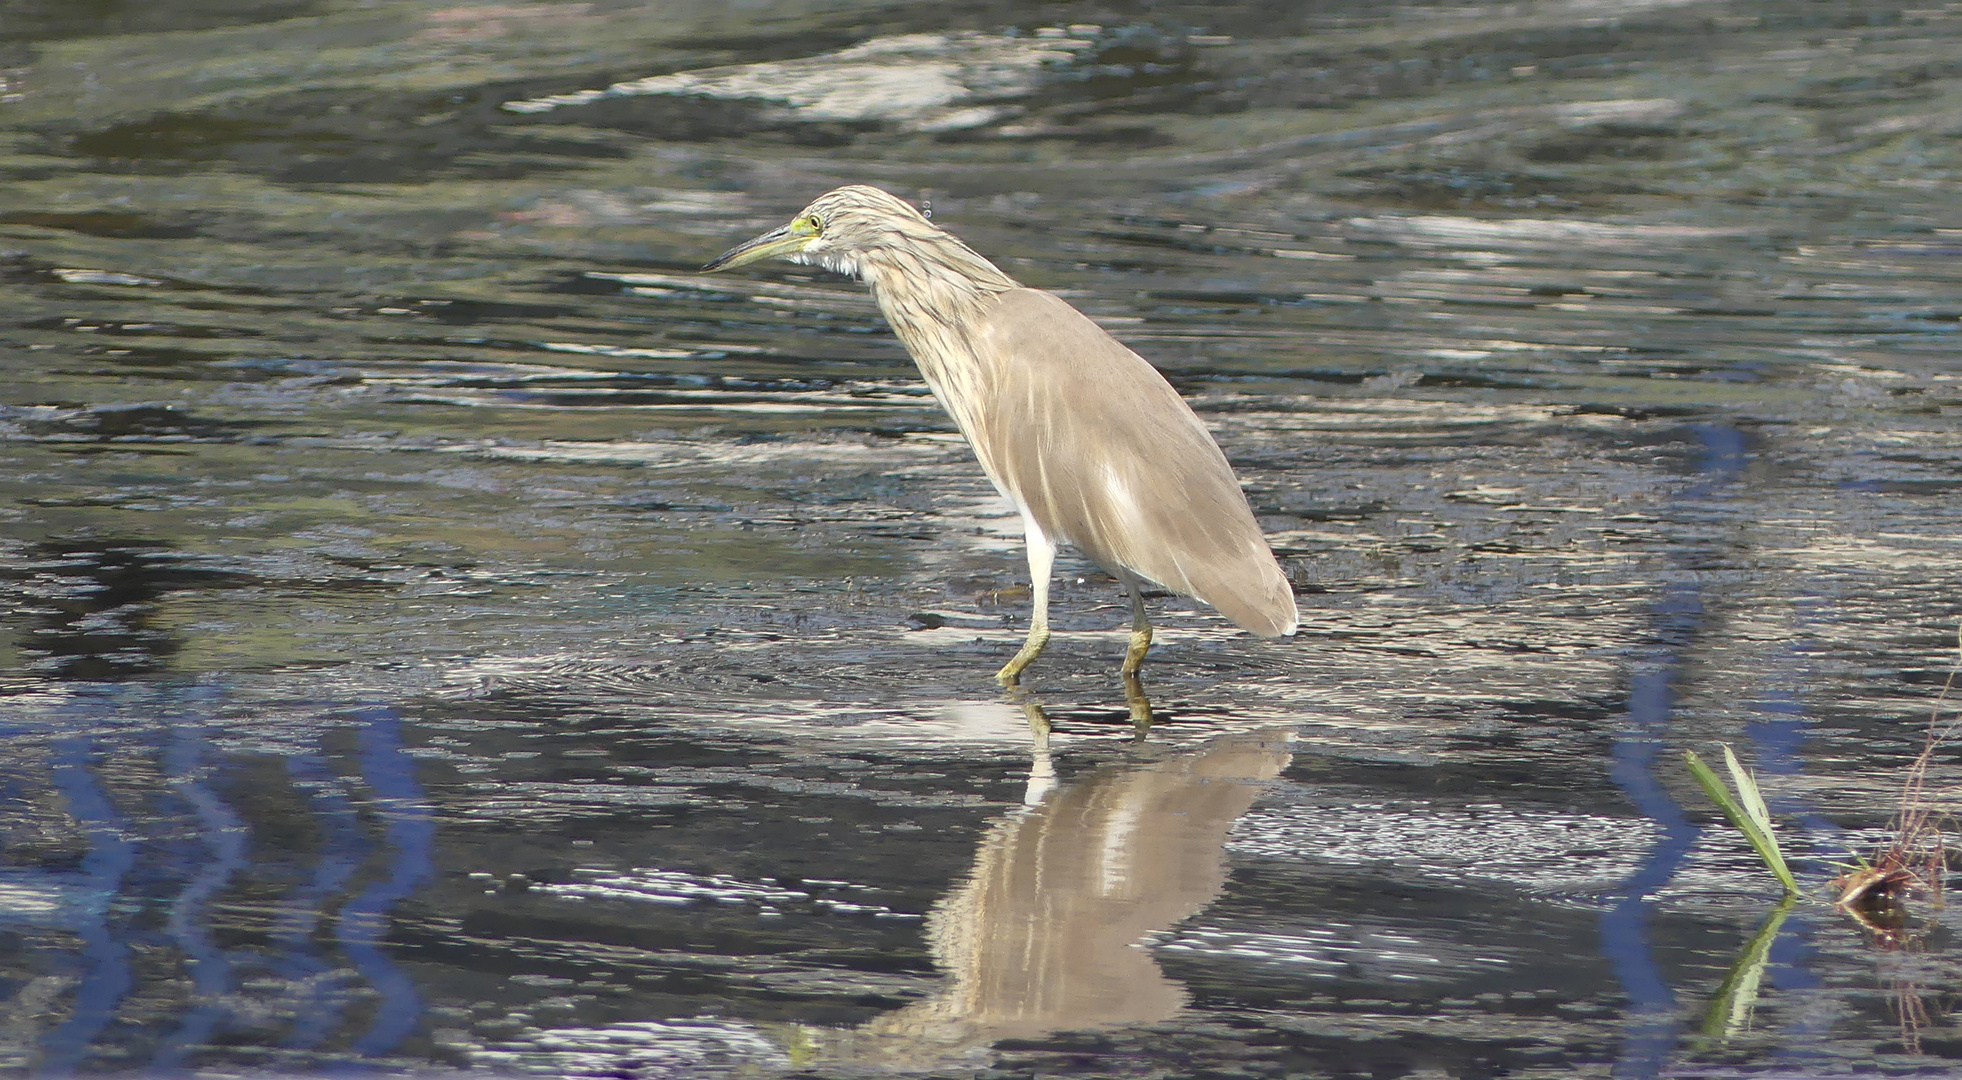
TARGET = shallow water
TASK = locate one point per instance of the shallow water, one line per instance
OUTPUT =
(444, 631)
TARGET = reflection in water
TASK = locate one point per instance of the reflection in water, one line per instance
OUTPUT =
(134, 925)
(223, 836)
(1139, 704)
(89, 602)
(343, 848)
(1730, 1008)
(87, 605)
(1679, 617)
(1449, 280)
(1683, 615)
(1044, 934)
(411, 834)
(104, 973)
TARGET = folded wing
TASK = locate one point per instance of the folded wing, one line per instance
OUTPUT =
(1100, 450)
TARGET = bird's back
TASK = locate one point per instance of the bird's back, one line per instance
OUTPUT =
(1100, 450)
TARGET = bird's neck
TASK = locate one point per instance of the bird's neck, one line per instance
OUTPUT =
(945, 283)
(933, 295)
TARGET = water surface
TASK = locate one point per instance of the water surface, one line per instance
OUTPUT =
(444, 631)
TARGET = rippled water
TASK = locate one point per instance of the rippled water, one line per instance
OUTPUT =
(444, 631)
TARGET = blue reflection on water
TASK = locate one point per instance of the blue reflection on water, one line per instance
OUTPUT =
(1679, 612)
(106, 977)
(1776, 739)
(316, 1010)
(1624, 927)
(1777, 736)
(411, 831)
(162, 858)
(223, 835)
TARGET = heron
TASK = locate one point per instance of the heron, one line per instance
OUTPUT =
(1087, 440)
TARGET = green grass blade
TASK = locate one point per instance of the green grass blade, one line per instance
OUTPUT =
(1760, 837)
(1747, 790)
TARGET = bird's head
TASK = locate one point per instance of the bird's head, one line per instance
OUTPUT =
(838, 232)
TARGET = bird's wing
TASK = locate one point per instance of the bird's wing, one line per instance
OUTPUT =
(1100, 450)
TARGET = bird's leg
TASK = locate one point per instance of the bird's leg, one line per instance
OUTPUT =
(1140, 631)
(1042, 768)
(1139, 704)
(1134, 694)
(1042, 558)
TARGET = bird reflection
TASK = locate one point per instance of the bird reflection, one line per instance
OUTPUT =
(1042, 935)
(1140, 705)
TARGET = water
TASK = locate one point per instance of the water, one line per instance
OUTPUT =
(445, 632)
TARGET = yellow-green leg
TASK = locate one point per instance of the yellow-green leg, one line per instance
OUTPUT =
(1134, 695)
(1140, 632)
(1042, 559)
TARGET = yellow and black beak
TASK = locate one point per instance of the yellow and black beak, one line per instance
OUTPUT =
(785, 241)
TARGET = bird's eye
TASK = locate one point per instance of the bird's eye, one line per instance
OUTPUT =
(817, 223)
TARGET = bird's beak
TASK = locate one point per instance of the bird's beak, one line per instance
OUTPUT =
(785, 241)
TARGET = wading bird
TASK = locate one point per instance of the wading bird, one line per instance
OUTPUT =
(1084, 436)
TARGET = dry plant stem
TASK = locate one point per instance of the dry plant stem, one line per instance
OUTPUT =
(1917, 859)
(1919, 838)
(1913, 1015)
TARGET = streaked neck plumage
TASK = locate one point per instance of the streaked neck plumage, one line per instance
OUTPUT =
(933, 289)
(934, 278)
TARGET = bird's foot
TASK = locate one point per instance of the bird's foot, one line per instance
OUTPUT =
(1134, 656)
(1011, 672)
(1032, 711)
